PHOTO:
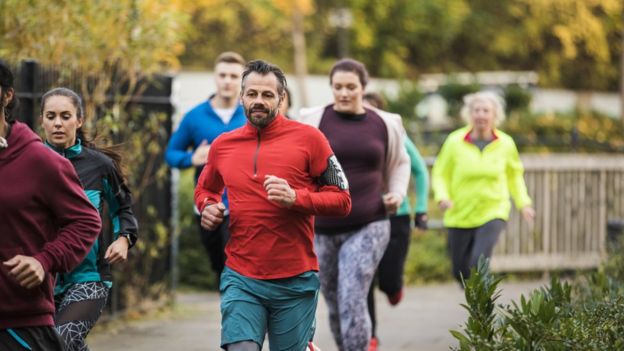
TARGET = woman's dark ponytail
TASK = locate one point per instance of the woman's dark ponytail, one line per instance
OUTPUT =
(6, 85)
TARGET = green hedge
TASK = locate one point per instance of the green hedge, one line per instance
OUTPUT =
(427, 260)
(586, 314)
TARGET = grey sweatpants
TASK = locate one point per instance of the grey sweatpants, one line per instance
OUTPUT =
(347, 265)
(466, 245)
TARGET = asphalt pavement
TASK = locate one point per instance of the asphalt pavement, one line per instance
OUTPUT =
(420, 322)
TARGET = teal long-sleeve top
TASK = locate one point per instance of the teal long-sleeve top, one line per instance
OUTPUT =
(421, 177)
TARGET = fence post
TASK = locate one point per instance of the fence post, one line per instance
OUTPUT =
(574, 139)
(28, 96)
(32, 79)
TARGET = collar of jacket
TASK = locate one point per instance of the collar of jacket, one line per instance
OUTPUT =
(70, 152)
(468, 136)
(272, 128)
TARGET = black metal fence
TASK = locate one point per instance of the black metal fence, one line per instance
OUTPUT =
(149, 263)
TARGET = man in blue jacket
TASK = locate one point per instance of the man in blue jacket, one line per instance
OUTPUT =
(220, 113)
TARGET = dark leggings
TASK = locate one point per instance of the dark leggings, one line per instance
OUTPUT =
(466, 245)
(77, 310)
(389, 274)
(214, 242)
(30, 338)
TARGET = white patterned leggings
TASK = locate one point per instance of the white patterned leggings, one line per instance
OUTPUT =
(347, 265)
(77, 310)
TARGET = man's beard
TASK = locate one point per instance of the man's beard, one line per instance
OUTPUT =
(260, 122)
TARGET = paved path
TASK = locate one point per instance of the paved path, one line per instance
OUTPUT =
(420, 322)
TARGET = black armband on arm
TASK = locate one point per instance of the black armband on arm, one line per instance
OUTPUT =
(334, 175)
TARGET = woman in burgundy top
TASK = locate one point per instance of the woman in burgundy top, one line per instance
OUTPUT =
(369, 145)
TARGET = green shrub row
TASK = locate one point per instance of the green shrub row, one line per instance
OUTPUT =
(586, 313)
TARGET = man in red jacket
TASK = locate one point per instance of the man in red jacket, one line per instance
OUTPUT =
(47, 225)
(279, 174)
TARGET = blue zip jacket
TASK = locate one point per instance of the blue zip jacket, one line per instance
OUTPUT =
(199, 124)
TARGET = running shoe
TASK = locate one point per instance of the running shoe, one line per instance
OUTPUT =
(312, 347)
(396, 298)
(374, 343)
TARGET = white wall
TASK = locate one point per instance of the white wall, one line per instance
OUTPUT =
(191, 88)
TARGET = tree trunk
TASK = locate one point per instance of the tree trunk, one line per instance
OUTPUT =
(622, 73)
(299, 46)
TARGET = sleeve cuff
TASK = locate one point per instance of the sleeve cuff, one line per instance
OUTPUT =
(188, 161)
(45, 259)
(131, 237)
(437, 199)
(523, 203)
(201, 204)
(302, 200)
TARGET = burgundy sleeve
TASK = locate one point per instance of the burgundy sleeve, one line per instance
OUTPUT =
(332, 197)
(210, 185)
(79, 222)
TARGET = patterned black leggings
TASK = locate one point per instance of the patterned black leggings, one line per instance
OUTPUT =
(347, 266)
(77, 310)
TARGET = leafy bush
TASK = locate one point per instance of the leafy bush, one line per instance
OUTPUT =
(427, 260)
(574, 131)
(454, 94)
(481, 294)
(565, 132)
(587, 314)
(405, 102)
(517, 98)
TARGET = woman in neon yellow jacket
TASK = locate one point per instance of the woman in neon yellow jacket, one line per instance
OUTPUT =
(476, 171)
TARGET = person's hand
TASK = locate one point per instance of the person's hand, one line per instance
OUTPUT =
(279, 191)
(200, 155)
(528, 213)
(212, 216)
(445, 204)
(26, 270)
(392, 202)
(420, 220)
(117, 251)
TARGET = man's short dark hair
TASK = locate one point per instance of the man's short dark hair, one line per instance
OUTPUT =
(350, 65)
(263, 68)
(230, 57)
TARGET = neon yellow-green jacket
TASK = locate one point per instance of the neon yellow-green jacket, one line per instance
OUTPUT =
(479, 183)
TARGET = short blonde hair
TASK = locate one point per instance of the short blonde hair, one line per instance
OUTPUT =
(496, 100)
(230, 57)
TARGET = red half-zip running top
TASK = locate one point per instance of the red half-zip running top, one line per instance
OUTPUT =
(268, 241)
